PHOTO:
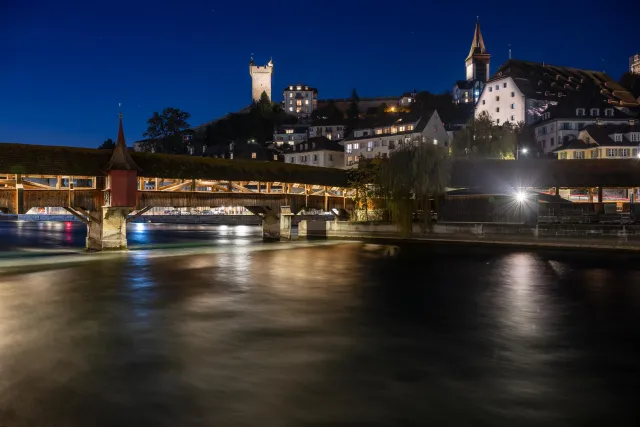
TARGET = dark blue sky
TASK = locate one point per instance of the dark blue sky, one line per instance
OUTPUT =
(65, 65)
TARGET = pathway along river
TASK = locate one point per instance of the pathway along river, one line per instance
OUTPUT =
(212, 327)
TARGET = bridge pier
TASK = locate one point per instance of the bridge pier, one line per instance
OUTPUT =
(114, 228)
(276, 226)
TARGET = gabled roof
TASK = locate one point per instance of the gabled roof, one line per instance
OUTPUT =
(465, 84)
(419, 120)
(602, 134)
(318, 143)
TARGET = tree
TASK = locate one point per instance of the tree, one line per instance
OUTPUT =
(481, 139)
(164, 131)
(108, 144)
(415, 173)
(365, 179)
(353, 110)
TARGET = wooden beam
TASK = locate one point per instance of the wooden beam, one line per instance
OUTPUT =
(138, 213)
(77, 215)
(37, 185)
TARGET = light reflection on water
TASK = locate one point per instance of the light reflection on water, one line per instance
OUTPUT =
(332, 334)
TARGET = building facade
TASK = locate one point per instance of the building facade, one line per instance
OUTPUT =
(290, 134)
(379, 138)
(603, 141)
(634, 64)
(300, 101)
(476, 71)
(260, 79)
(522, 91)
(318, 151)
(332, 132)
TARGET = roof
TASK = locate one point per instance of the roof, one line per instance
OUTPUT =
(318, 143)
(500, 175)
(120, 157)
(53, 160)
(304, 88)
(297, 129)
(575, 144)
(550, 82)
(601, 134)
(465, 84)
(477, 44)
(418, 119)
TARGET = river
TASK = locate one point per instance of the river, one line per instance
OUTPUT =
(208, 326)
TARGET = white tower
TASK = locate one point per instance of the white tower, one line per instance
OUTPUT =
(260, 79)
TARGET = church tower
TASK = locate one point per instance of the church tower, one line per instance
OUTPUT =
(477, 63)
(260, 79)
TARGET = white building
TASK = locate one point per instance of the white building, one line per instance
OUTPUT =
(379, 138)
(408, 99)
(634, 64)
(603, 141)
(260, 79)
(290, 134)
(476, 69)
(521, 91)
(333, 132)
(300, 101)
(561, 123)
(318, 151)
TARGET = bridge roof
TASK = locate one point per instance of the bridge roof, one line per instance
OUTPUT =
(496, 174)
(54, 160)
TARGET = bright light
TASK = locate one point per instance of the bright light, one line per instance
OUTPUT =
(639, 155)
(520, 196)
(435, 142)
(525, 150)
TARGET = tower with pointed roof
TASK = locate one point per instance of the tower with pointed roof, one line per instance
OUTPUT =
(477, 62)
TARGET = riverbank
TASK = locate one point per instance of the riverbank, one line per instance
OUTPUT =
(580, 236)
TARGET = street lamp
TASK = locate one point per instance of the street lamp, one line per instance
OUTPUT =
(524, 150)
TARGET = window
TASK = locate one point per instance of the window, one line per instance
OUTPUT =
(483, 102)
(497, 109)
(275, 157)
(513, 118)
(313, 145)
(566, 126)
(306, 146)
(552, 142)
(378, 131)
(409, 127)
(290, 93)
(365, 133)
(634, 152)
(253, 155)
(401, 129)
(394, 130)
(497, 121)
(386, 130)
(578, 155)
(513, 94)
(563, 155)
(315, 157)
(384, 142)
(504, 84)
(497, 87)
(356, 146)
(290, 108)
(611, 152)
(293, 159)
(513, 106)
(288, 131)
(579, 111)
(370, 146)
(544, 143)
(580, 126)
(490, 88)
(306, 102)
(349, 160)
(617, 137)
(331, 157)
(608, 112)
(635, 137)
(299, 88)
(298, 102)
(594, 154)
(595, 112)
(329, 136)
(497, 98)
(623, 152)
(587, 140)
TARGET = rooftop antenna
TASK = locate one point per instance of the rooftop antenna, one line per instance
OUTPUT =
(120, 109)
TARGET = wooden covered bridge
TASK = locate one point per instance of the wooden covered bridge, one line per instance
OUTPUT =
(107, 188)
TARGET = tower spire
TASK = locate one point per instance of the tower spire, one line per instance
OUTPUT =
(477, 45)
(120, 157)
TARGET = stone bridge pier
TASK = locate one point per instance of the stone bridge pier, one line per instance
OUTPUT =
(276, 225)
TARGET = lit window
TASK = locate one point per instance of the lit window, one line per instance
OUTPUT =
(290, 94)
(253, 155)
(378, 131)
(306, 102)
(401, 129)
(356, 146)
(578, 155)
(394, 130)
(275, 157)
(298, 101)
(299, 88)
(328, 136)
(611, 152)
(349, 148)
(290, 108)
(290, 87)
(289, 131)
(409, 127)
(370, 146)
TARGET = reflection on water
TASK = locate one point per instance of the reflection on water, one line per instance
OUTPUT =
(331, 334)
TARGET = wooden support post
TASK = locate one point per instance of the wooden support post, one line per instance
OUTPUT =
(600, 198)
(94, 182)
(70, 183)
(326, 199)
(259, 186)
(229, 187)
(58, 182)
(19, 195)
(193, 184)
(268, 187)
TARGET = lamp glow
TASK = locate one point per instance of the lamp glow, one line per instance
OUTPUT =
(525, 150)
(520, 196)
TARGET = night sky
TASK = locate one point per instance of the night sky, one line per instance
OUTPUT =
(65, 65)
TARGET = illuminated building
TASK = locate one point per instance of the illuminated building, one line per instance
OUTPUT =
(300, 101)
(477, 71)
(260, 79)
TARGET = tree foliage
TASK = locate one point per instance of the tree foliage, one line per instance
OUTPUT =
(165, 130)
(353, 111)
(415, 173)
(108, 144)
(365, 179)
(482, 139)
